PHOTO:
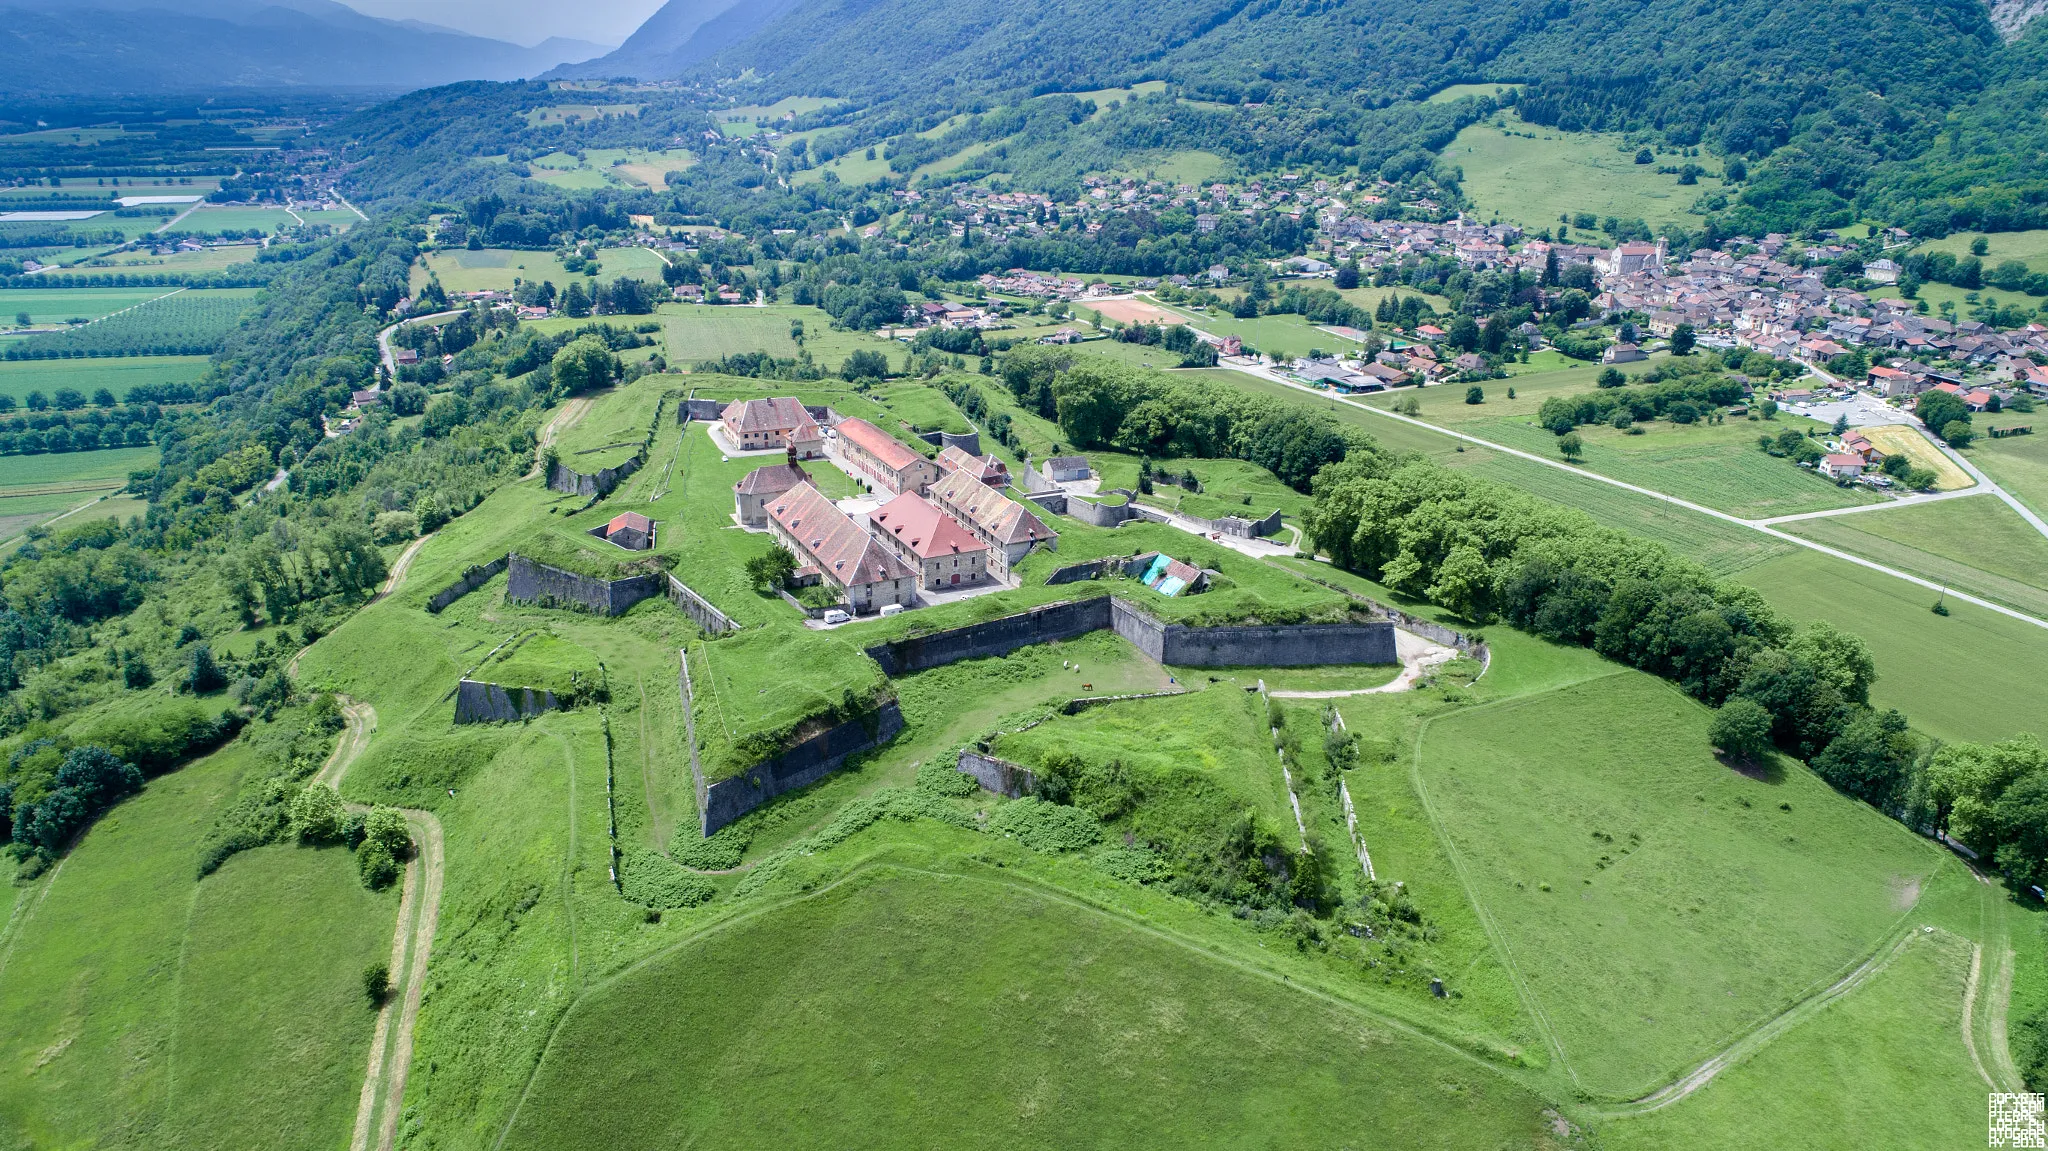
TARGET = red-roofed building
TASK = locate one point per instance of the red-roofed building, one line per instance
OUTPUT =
(782, 422)
(1841, 466)
(883, 459)
(943, 553)
(845, 557)
(750, 496)
(1977, 400)
(1001, 523)
(629, 530)
(988, 469)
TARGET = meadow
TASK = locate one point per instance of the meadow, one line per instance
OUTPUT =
(1530, 175)
(616, 424)
(209, 220)
(1653, 915)
(116, 374)
(497, 269)
(143, 1007)
(1977, 545)
(33, 489)
(192, 263)
(1039, 1022)
(2019, 464)
(59, 305)
(2029, 248)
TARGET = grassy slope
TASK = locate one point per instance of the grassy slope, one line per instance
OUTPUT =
(1036, 1021)
(1531, 181)
(616, 424)
(1656, 912)
(137, 1002)
(1979, 545)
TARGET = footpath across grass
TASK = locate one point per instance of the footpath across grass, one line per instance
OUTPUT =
(1656, 903)
(987, 1014)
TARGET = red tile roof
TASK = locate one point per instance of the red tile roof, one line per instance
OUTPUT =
(1002, 518)
(877, 443)
(634, 520)
(924, 529)
(844, 553)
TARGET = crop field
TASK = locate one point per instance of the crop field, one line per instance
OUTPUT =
(1040, 1022)
(226, 1011)
(207, 220)
(2019, 464)
(20, 377)
(58, 305)
(191, 322)
(1718, 465)
(1275, 335)
(1530, 175)
(1903, 438)
(35, 488)
(461, 270)
(1977, 545)
(1654, 915)
(1931, 667)
(205, 260)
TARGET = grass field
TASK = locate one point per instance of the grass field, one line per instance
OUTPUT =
(34, 489)
(1971, 674)
(693, 333)
(145, 1008)
(461, 270)
(205, 260)
(20, 377)
(1456, 92)
(57, 305)
(1530, 175)
(1184, 166)
(1655, 914)
(1275, 335)
(2030, 248)
(2019, 464)
(615, 426)
(209, 220)
(1977, 545)
(1039, 1023)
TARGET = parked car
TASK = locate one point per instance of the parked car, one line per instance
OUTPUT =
(892, 609)
(836, 616)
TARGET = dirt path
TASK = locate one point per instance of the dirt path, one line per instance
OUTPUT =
(401, 567)
(1419, 656)
(419, 912)
(565, 419)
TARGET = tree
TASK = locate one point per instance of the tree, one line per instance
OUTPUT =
(317, 814)
(1741, 729)
(1347, 275)
(575, 301)
(1683, 340)
(1464, 334)
(202, 674)
(377, 983)
(1958, 433)
(1571, 445)
(1980, 246)
(1869, 758)
(583, 365)
(865, 364)
(1644, 156)
(1611, 378)
(1475, 394)
(407, 400)
(1842, 425)
(772, 568)
(1841, 660)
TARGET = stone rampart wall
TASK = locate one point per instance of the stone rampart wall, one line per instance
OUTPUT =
(995, 637)
(998, 775)
(478, 702)
(537, 583)
(698, 608)
(472, 579)
(799, 766)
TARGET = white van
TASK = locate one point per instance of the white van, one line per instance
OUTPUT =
(892, 609)
(836, 616)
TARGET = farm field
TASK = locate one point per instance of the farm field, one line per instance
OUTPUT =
(2019, 464)
(180, 263)
(225, 1011)
(116, 374)
(208, 220)
(1931, 667)
(34, 489)
(1530, 175)
(461, 270)
(1718, 465)
(1041, 1022)
(1977, 545)
(182, 322)
(1911, 441)
(57, 305)
(1275, 335)
(1653, 917)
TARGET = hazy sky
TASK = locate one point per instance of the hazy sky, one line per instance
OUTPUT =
(521, 21)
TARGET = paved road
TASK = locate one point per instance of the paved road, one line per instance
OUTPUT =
(384, 337)
(1755, 525)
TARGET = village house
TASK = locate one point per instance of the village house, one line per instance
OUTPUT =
(1065, 469)
(943, 553)
(760, 425)
(884, 460)
(1002, 524)
(1841, 466)
(988, 469)
(831, 548)
(752, 494)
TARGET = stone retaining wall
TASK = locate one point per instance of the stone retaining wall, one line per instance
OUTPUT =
(472, 578)
(537, 583)
(477, 702)
(698, 608)
(799, 766)
(1104, 515)
(569, 481)
(998, 775)
(1046, 624)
